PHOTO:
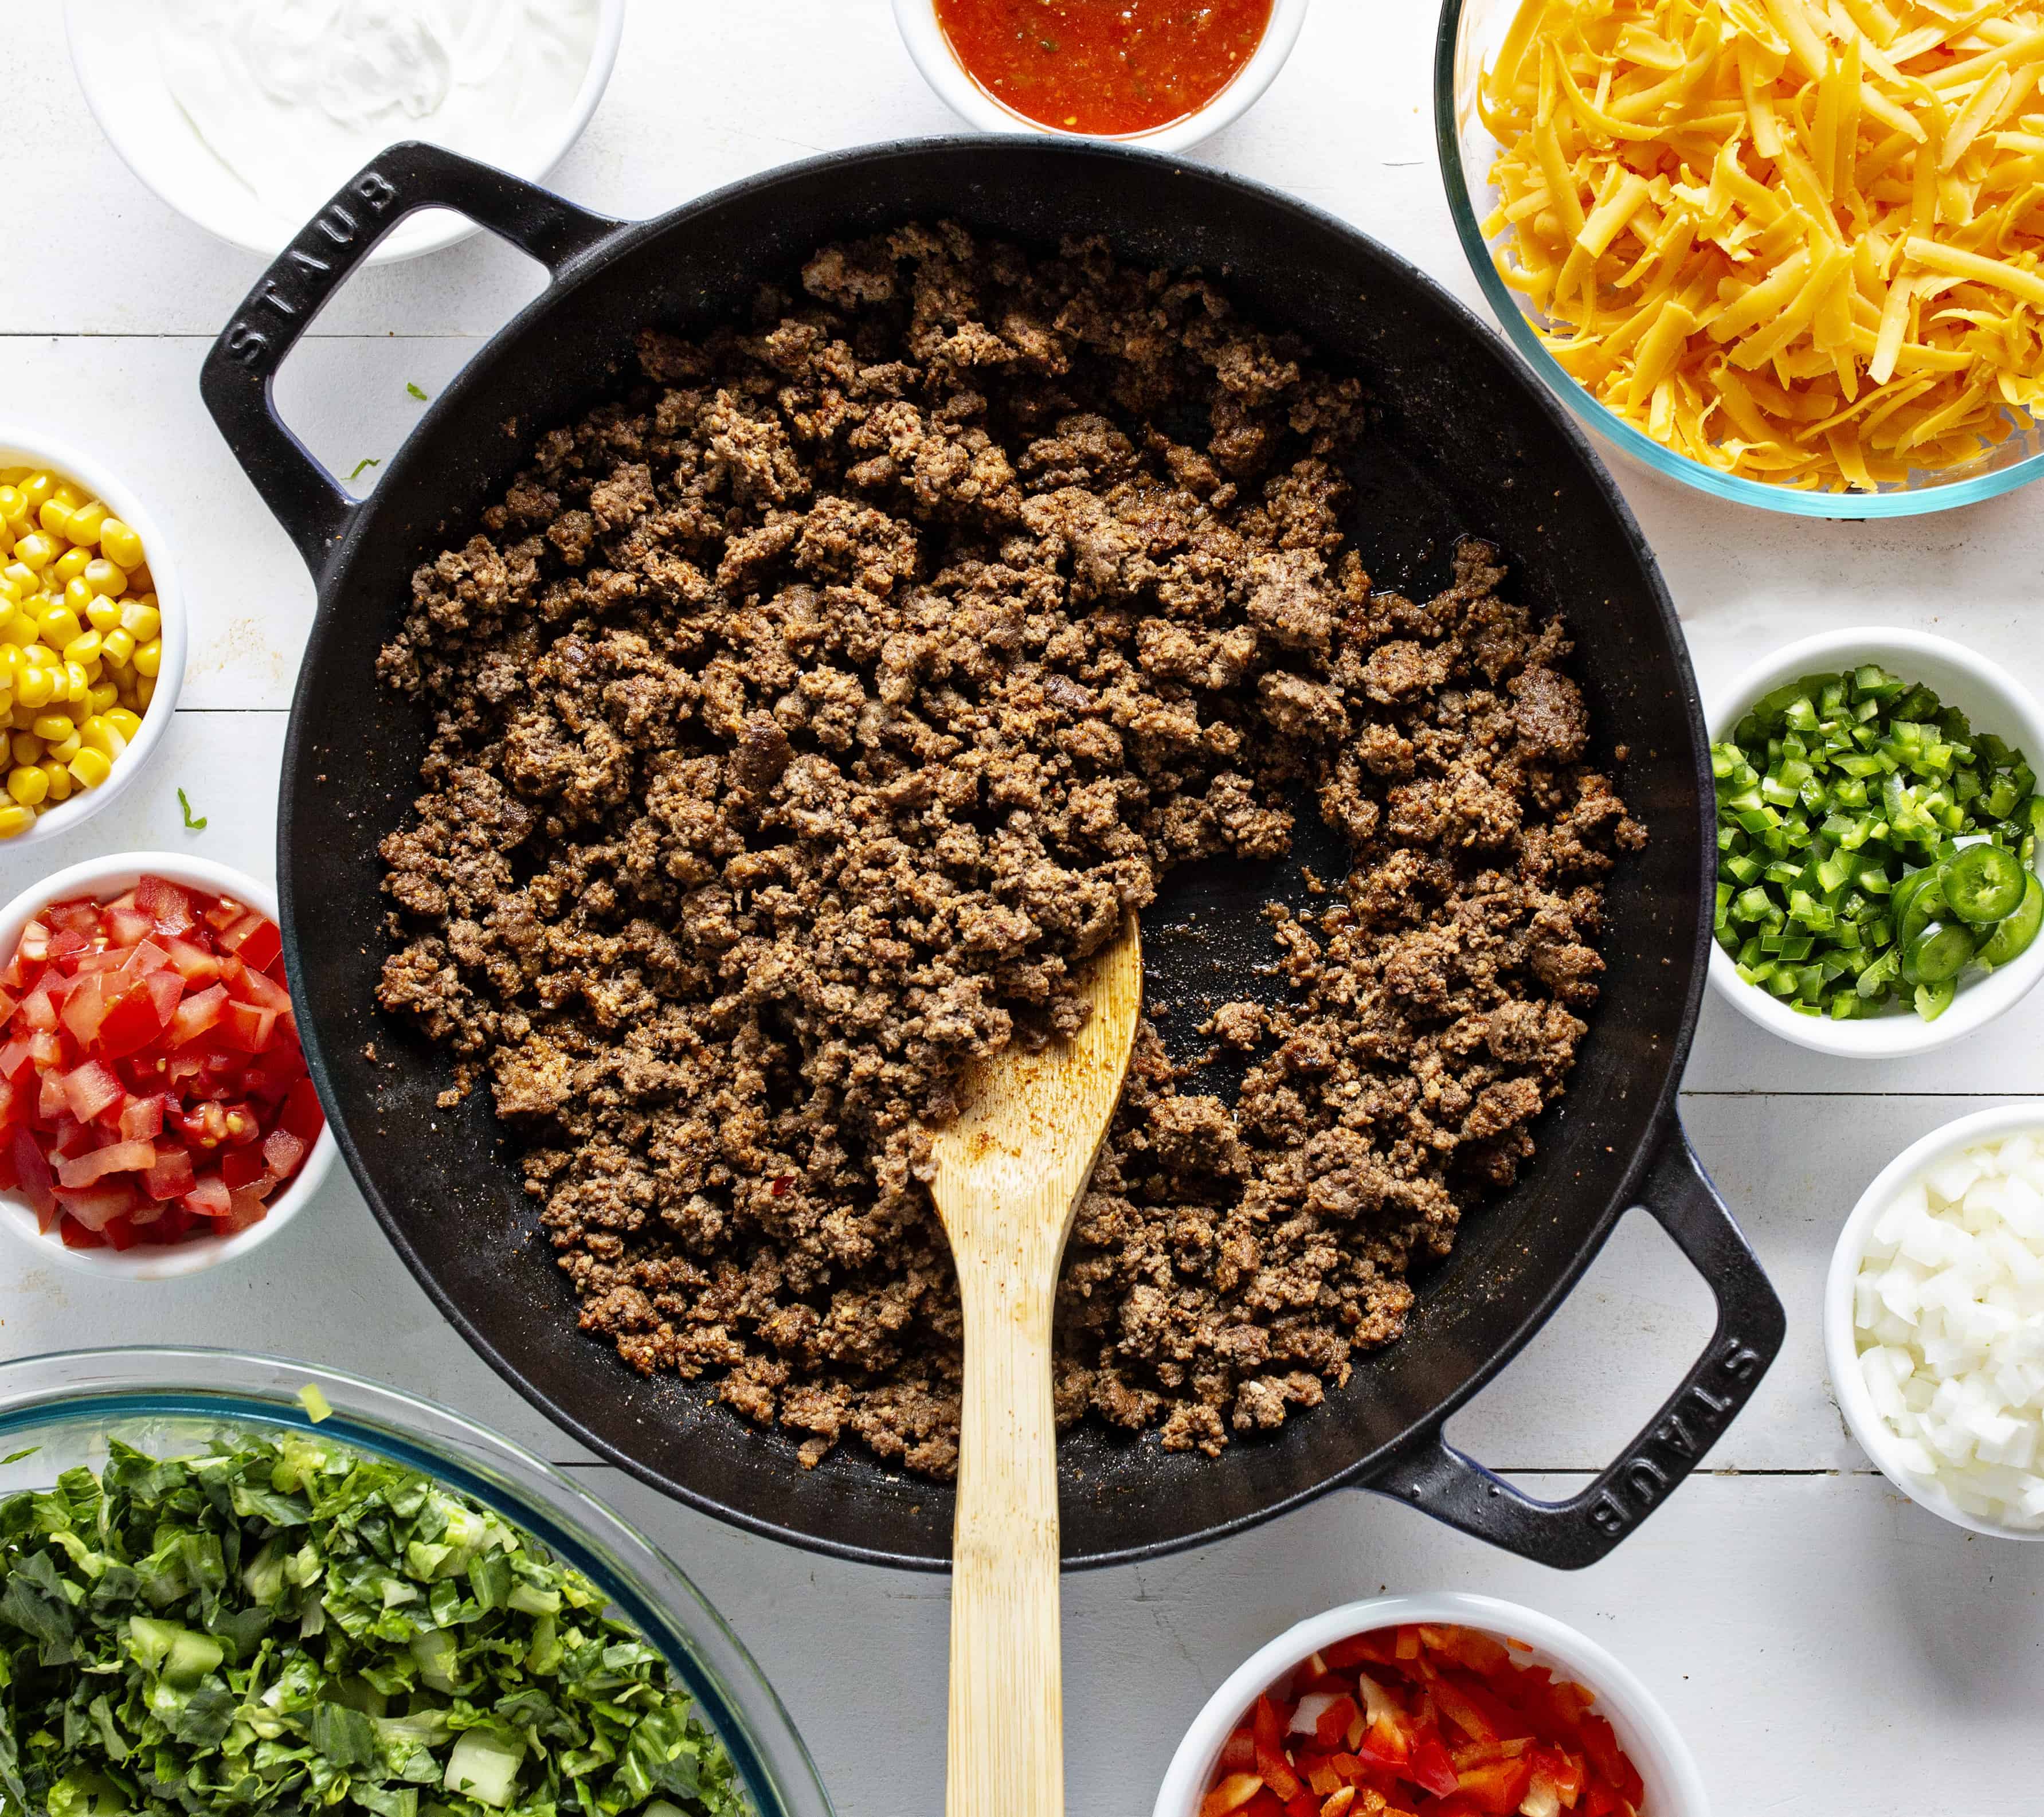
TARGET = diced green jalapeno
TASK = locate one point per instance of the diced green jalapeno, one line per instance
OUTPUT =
(1842, 887)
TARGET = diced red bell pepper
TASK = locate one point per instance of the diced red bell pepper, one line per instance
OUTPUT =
(1232, 1792)
(1336, 1720)
(1608, 1760)
(1268, 1727)
(77, 1236)
(1238, 1752)
(1360, 1650)
(1302, 1804)
(1496, 1789)
(1430, 1769)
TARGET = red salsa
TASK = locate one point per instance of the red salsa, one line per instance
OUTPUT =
(151, 1085)
(1104, 66)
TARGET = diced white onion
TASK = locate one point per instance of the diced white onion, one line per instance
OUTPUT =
(1948, 1309)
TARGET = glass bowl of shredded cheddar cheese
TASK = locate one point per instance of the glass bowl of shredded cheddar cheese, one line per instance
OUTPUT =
(1788, 251)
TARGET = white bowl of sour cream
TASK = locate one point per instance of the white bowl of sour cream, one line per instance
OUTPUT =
(246, 115)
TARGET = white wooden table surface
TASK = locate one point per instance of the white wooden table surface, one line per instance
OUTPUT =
(1827, 1647)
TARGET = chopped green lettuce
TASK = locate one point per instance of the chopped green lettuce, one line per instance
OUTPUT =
(281, 1626)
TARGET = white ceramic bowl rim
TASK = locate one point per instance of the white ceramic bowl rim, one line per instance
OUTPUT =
(410, 239)
(107, 877)
(1841, 1344)
(2018, 718)
(957, 89)
(22, 444)
(1674, 1785)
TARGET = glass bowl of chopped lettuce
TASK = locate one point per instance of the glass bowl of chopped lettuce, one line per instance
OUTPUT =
(237, 1584)
(1877, 823)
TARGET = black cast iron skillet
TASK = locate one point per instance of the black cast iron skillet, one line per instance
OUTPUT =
(1467, 443)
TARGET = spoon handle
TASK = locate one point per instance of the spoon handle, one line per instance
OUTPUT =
(1007, 1753)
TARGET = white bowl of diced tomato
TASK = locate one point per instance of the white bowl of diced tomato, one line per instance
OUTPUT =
(156, 1118)
(1438, 1705)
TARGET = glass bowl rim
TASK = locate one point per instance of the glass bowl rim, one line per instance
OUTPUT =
(195, 1381)
(1911, 501)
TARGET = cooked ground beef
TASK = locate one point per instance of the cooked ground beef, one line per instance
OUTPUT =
(804, 719)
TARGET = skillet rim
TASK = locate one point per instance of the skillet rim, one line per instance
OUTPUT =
(1662, 1125)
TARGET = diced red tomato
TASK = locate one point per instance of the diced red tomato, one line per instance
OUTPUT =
(142, 1013)
(139, 1038)
(115, 1158)
(166, 904)
(246, 1028)
(171, 1177)
(302, 1114)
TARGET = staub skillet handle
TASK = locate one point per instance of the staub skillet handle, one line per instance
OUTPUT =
(242, 364)
(1431, 1474)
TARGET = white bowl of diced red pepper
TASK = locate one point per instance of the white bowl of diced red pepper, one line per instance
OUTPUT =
(1437, 1704)
(156, 1116)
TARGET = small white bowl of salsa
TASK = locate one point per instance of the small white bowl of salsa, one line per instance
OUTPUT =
(1162, 75)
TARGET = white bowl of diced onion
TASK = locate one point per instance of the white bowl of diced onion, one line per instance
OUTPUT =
(1934, 1322)
(105, 878)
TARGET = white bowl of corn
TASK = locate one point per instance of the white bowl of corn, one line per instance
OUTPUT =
(92, 636)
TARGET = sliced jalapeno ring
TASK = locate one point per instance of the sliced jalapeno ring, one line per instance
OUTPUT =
(1938, 952)
(1983, 883)
(2014, 932)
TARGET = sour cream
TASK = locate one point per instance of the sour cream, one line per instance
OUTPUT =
(294, 96)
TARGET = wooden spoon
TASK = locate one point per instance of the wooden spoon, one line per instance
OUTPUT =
(1009, 1172)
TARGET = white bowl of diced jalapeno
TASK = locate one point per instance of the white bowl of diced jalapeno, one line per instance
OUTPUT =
(1877, 894)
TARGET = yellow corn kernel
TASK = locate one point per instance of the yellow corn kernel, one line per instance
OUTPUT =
(83, 649)
(90, 768)
(103, 614)
(104, 695)
(149, 658)
(125, 722)
(100, 733)
(36, 490)
(142, 584)
(103, 576)
(120, 543)
(14, 511)
(54, 518)
(23, 579)
(119, 646)
(71, 564)
(59, 626)
(78, 596)
(145, 691)
(34, 689)
(77, 683)
(27, 784)
(10, 665)
(63, 493)
(86, 521)
(35, 551)
(54, 727)
(141, 617)
(15, 820)
(56, 773)
(24, 747)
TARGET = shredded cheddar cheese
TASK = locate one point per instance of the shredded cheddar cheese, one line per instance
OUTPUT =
(1801, 241)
